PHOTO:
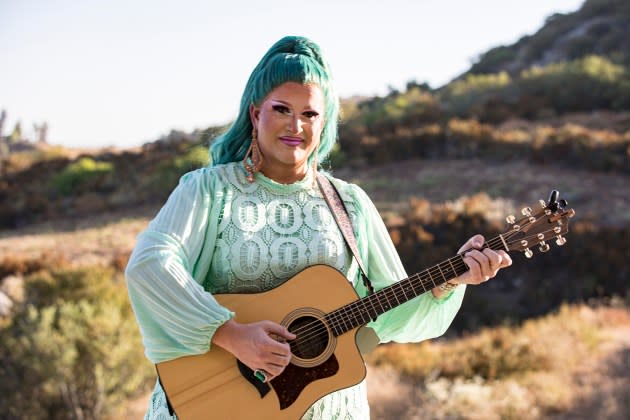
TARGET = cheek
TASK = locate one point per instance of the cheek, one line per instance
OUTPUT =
(316, 131)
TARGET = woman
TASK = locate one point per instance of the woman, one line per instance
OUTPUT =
(255, 218)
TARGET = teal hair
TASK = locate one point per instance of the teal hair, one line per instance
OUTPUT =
(291, 59)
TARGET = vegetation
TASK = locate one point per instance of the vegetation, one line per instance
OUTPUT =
(80, 174)
(535, 370)
(71, 349)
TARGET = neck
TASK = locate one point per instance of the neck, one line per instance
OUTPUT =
(285, 175)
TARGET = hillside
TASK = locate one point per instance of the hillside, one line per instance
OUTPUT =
(599, 27)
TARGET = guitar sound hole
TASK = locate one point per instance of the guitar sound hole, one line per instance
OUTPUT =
(312, 337)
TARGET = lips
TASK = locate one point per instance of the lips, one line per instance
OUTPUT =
(291, 141)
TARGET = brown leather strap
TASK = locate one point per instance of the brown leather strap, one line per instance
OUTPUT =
(340, 213)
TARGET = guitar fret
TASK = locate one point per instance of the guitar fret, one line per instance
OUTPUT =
(412, 288)
(452, 268)
(395, 297)
(402, 289)
(443, 276)
(431, 278)
(373, 308)
(333, 324)
(344, 317)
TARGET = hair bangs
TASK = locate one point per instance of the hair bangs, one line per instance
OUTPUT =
(284, 68)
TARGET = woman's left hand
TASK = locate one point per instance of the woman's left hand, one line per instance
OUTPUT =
(482, 264)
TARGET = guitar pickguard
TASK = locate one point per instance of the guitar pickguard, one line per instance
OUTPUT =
(294, 379)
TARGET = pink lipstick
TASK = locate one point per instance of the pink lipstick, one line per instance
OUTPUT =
(291, 141)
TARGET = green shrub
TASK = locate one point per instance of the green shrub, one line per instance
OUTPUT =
(73, 349)
(169, 172)
(80, 173)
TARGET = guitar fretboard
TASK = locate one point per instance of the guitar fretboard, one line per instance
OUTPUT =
(362, 311)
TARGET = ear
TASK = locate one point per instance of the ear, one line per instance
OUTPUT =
(254, 113)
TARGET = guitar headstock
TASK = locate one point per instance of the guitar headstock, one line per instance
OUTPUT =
(550, 221)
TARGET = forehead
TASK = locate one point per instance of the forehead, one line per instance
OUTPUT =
(298, 95)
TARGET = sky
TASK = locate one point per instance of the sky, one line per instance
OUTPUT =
(125, 72)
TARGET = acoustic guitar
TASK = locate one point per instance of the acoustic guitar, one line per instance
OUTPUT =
(320, 306)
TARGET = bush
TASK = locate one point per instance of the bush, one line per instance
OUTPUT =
(80, 173)
(72, 350)
(169, 172)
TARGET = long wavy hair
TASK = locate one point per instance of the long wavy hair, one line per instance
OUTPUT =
(291, 59)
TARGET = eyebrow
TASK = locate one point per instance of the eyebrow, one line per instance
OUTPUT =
(280, 101)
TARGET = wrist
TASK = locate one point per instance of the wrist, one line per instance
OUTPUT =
(223, 336)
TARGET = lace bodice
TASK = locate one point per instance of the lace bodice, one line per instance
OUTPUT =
(268, 232)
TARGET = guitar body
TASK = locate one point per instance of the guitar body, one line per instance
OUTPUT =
(212, 385)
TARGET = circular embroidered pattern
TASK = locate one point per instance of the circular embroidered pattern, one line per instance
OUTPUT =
(327, 248)
(248, 213)
(248, 257)
(285, 217)
(285, 256)
(317, 215)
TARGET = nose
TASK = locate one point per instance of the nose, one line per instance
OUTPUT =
(295, 124)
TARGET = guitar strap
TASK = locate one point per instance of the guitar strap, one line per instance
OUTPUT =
(340, 213)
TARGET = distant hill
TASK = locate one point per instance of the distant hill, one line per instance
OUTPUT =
(600, 27)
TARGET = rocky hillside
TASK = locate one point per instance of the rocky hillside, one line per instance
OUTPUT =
(600, 27)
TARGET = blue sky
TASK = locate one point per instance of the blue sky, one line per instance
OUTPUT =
(122, 73)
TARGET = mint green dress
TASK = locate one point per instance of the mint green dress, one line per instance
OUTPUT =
(218, 233)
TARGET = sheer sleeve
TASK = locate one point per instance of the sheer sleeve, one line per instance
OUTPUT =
(176, 315)
(419, 319)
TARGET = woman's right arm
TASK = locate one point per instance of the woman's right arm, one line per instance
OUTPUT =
(176, 315)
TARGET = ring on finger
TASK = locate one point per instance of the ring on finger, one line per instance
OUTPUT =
(261, 375)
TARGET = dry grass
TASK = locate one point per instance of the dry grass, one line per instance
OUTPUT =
(547, 367)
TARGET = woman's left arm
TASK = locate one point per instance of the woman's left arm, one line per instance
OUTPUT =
(424, 317)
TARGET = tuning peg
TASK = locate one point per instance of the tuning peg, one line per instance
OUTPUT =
(544, 247)
(543, 203)
(557, 229)
(553, 200)
(561, 240)
(529, 253)
(524, 243)
(527, 211)
(510, 219)
(540, 236)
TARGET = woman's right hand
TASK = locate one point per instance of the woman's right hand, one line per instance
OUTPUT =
(254, 346)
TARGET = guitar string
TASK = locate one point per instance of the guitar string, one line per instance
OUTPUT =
(337, 314)
(434, 270)
(390, 292)
(318, 328)
(321, 331)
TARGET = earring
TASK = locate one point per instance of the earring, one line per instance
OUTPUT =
(253, 159)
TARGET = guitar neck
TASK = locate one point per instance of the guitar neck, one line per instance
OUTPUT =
(361, 311)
